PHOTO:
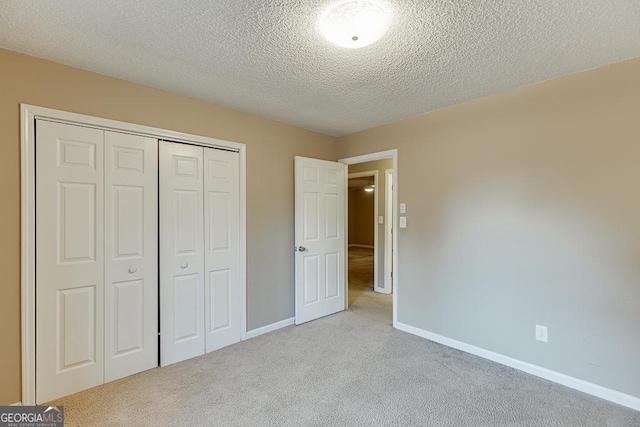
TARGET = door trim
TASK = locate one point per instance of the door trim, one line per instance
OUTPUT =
(28, 116)
(388, 229)
(393, 154)
(376, 243)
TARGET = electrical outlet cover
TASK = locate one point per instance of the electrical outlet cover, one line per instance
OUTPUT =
(542, 333)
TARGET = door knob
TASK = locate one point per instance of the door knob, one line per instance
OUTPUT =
(301, 249)
(132, 269)
(184, 265)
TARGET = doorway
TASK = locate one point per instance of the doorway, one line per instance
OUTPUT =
(370, 225)
(321, 236)
(362, 220)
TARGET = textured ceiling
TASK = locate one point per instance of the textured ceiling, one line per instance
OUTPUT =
(267, 57)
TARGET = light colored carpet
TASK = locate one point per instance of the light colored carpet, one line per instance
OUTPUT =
(349, 369)
(361, 282)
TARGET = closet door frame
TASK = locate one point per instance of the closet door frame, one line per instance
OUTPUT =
(28, 116)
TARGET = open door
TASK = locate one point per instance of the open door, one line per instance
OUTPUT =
(319, 238)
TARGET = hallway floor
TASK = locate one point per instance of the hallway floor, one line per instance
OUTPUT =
(361, 294)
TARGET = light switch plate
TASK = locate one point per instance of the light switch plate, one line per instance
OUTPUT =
(403, 208)
(380, 220)
(403, 222)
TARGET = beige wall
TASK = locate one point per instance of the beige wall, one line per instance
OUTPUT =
(360, 217)
(271, 147)
(524, 208)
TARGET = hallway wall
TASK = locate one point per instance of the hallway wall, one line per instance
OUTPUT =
(361, 224)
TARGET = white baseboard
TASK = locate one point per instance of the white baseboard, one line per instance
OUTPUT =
(556, 377)
(356, 245)
(270, 328)
(16, 404)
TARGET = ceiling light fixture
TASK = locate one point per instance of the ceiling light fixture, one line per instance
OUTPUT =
(356, 23)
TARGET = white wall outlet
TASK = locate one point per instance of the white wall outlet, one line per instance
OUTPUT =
(403, 222)
(541, 333)
(380, 220)
(403, 208)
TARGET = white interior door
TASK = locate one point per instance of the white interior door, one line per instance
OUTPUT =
(131, 254)
(222, 248)
(181, 252)
(69, 259)
(320, 238)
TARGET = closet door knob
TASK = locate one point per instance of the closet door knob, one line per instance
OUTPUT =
(184, 265)
(133, 270)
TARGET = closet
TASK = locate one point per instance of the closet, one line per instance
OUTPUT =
(126, 225)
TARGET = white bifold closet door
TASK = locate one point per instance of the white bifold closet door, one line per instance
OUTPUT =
(131, 254)
(96, 257)
(199, 250)
(181, 252)
(222, 291)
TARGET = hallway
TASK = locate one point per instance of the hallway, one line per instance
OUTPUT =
(361, 294)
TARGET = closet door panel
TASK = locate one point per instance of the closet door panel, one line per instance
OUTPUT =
(222, 245)
(69, 259)
(131, 250)
(181, 252)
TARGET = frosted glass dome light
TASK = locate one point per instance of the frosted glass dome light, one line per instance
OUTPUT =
(355, 23)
